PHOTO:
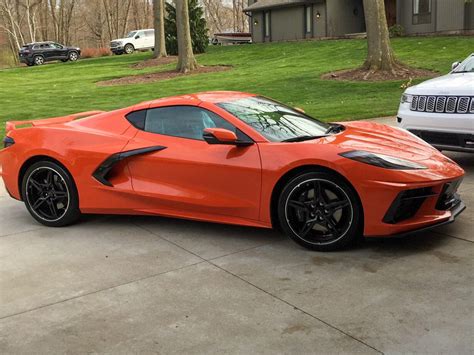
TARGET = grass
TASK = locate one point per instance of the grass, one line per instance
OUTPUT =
(289, 72)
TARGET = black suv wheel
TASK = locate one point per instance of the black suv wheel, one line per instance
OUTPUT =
(73, 56)
(38, 60)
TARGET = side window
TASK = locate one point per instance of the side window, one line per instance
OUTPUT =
(140, 34)
(149, 33)
(183, 121)
(137, 119)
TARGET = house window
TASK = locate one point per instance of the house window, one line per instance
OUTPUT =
(308, 18)
(267, 23)
(421, 12)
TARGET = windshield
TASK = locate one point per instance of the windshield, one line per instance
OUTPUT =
(465, 67)
(273, 120)
(131, 34)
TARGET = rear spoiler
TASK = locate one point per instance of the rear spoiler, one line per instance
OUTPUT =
(12, 125)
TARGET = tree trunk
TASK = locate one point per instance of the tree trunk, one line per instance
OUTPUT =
(186, 60)
(379, 54)
(159, 22)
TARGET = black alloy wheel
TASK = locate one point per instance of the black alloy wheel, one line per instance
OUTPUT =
(320, 211)
(50, 194)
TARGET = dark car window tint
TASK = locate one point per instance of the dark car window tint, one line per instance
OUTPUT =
(183, 121)
(137, 119)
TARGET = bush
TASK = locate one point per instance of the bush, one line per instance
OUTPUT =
(197, 24)
(95, 52)
(396, 31)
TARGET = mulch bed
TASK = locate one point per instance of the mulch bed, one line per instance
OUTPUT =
(154, 62)
(164, 75)
(363, 75)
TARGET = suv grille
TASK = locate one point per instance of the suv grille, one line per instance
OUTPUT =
(443, 104)
(114, 44)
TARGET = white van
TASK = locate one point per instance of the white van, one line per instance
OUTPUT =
(135, 40)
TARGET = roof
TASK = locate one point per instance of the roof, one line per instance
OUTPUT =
(195, 99)
(267, 4)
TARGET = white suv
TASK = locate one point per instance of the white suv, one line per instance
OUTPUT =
(135, 40)
(441, 110)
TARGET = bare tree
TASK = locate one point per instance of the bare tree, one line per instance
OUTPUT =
(379, 54)
(186, 60)
(159, 21)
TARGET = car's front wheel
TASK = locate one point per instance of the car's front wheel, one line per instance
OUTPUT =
(73, 56)
(320, 211)
(129, 49)
(38, 60)
(50, 194)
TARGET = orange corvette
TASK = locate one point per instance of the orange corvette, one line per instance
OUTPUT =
(232, 157)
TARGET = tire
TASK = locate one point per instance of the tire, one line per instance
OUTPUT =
(129, 48)
(64, 60)
(73, 56)
(320, 211)
(30, 64)
(38, 60)
(50, 194)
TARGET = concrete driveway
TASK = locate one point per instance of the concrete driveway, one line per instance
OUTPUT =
(157, 285)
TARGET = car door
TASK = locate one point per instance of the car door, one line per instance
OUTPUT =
(46, 51)
(188, 177)
(139, 40)
(60, 52)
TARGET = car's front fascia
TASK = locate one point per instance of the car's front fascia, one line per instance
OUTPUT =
(441, 111)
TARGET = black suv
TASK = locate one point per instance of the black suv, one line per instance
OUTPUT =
(40, 52)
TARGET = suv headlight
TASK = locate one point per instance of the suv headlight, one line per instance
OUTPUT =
(406, 99)
(382, 160)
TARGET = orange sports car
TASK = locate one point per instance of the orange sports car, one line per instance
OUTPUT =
(236, 158)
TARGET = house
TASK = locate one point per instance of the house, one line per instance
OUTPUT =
(286, 20)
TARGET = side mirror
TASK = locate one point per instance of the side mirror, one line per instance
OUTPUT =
(222, 136)
(137, 37)
(455, 65)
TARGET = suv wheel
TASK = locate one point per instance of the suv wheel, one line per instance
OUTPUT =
(129, 49)
(73, 56)
(50, 194)
(320, 211)
(38, 60)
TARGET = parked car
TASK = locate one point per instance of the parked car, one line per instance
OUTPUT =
(135, 40)
(441, 110)
(236, 158)
(40, 52)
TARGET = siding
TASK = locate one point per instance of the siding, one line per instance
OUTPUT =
(341, 17)
(287, 24)
(450, 15)
(257, 30)
(405, 18)
(319, 25)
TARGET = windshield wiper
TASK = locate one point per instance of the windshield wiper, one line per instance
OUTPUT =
(335, 128)
(303, 138)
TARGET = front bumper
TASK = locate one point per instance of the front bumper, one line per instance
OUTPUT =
(455, 212)
(445, 131)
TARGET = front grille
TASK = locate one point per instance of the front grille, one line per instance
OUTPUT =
(407, 204)
(114, 44)
(442, 104)
(445, 138)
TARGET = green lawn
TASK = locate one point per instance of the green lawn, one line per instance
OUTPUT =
(288, 72)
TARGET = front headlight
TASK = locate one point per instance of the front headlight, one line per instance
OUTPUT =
(382, 160)
(406, 99)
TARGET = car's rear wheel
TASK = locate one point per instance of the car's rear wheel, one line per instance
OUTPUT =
(38, 60)
(50, 194)
(320, 211)
(73, 56)
(129, 49)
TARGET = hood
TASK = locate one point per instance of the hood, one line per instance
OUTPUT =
(460, 84)
(120, 40)
(378, 138)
